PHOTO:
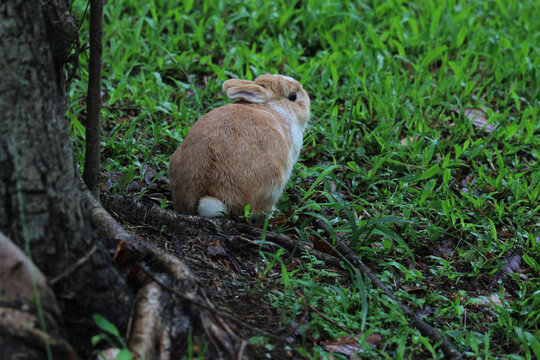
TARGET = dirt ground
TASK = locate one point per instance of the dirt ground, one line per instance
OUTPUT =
(228, 274)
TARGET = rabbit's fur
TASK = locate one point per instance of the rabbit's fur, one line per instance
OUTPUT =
(241, 153)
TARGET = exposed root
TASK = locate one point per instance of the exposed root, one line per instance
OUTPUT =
(151, 214)
(155, 322)
(425, 329)
(146, 334)
(27, 330)
(229, 230)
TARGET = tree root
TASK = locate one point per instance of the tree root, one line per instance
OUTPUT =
(341, 248)
(28, 309)
(161, 317)
(150, 213)
(146, 332)
(425, 329)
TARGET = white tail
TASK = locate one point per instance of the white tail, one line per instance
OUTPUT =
(211, 207)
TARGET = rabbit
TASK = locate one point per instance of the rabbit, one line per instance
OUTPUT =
(241, 153)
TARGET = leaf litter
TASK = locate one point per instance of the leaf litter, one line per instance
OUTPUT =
(479, 119)
(348, 345)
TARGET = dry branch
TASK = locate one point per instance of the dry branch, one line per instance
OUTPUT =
(425, 329)
(346, 253)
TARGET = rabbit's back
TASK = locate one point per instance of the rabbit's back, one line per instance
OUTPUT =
(234, 154)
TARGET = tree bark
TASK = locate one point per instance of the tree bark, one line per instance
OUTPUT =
(41, 209)
(61, 30)
(20, 312)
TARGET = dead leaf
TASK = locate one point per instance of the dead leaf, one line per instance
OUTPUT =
(505, 233)
(216, 251)
(156, 196)
(333, 187)
(108, 179)
(294, 265)
(349, 346)
(346, 345)
(412, 289)
(478, 118)
(409, 140)
(444, 247)
(489, 188)
(466, 182)
(425, 311)
(108, 354)
(489, 301)
(323, 245)
(513, 264)
(133, 186)
(106, 185)
(374, 340)
(149, 174)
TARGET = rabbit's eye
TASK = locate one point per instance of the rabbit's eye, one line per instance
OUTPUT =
(292, 97)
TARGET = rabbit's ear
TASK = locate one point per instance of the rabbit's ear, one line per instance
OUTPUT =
(246, 90)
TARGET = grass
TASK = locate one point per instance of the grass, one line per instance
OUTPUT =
(433, 202)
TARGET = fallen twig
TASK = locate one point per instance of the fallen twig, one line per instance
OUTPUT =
(425, 329)
(346, 253)
(316, 311)
(73, 267)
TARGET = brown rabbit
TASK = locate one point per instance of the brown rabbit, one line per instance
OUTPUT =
(241, 153)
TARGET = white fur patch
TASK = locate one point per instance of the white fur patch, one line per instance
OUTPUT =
(296, 133)
(276, 125)
(286, 77)
(277, 189)
(290, 117)
(211, 207)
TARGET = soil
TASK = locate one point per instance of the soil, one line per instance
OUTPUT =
(232, 275)
(228, 273)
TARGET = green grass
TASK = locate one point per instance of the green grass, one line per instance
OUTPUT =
(378, 72)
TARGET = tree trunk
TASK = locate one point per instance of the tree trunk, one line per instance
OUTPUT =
(41, 208)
